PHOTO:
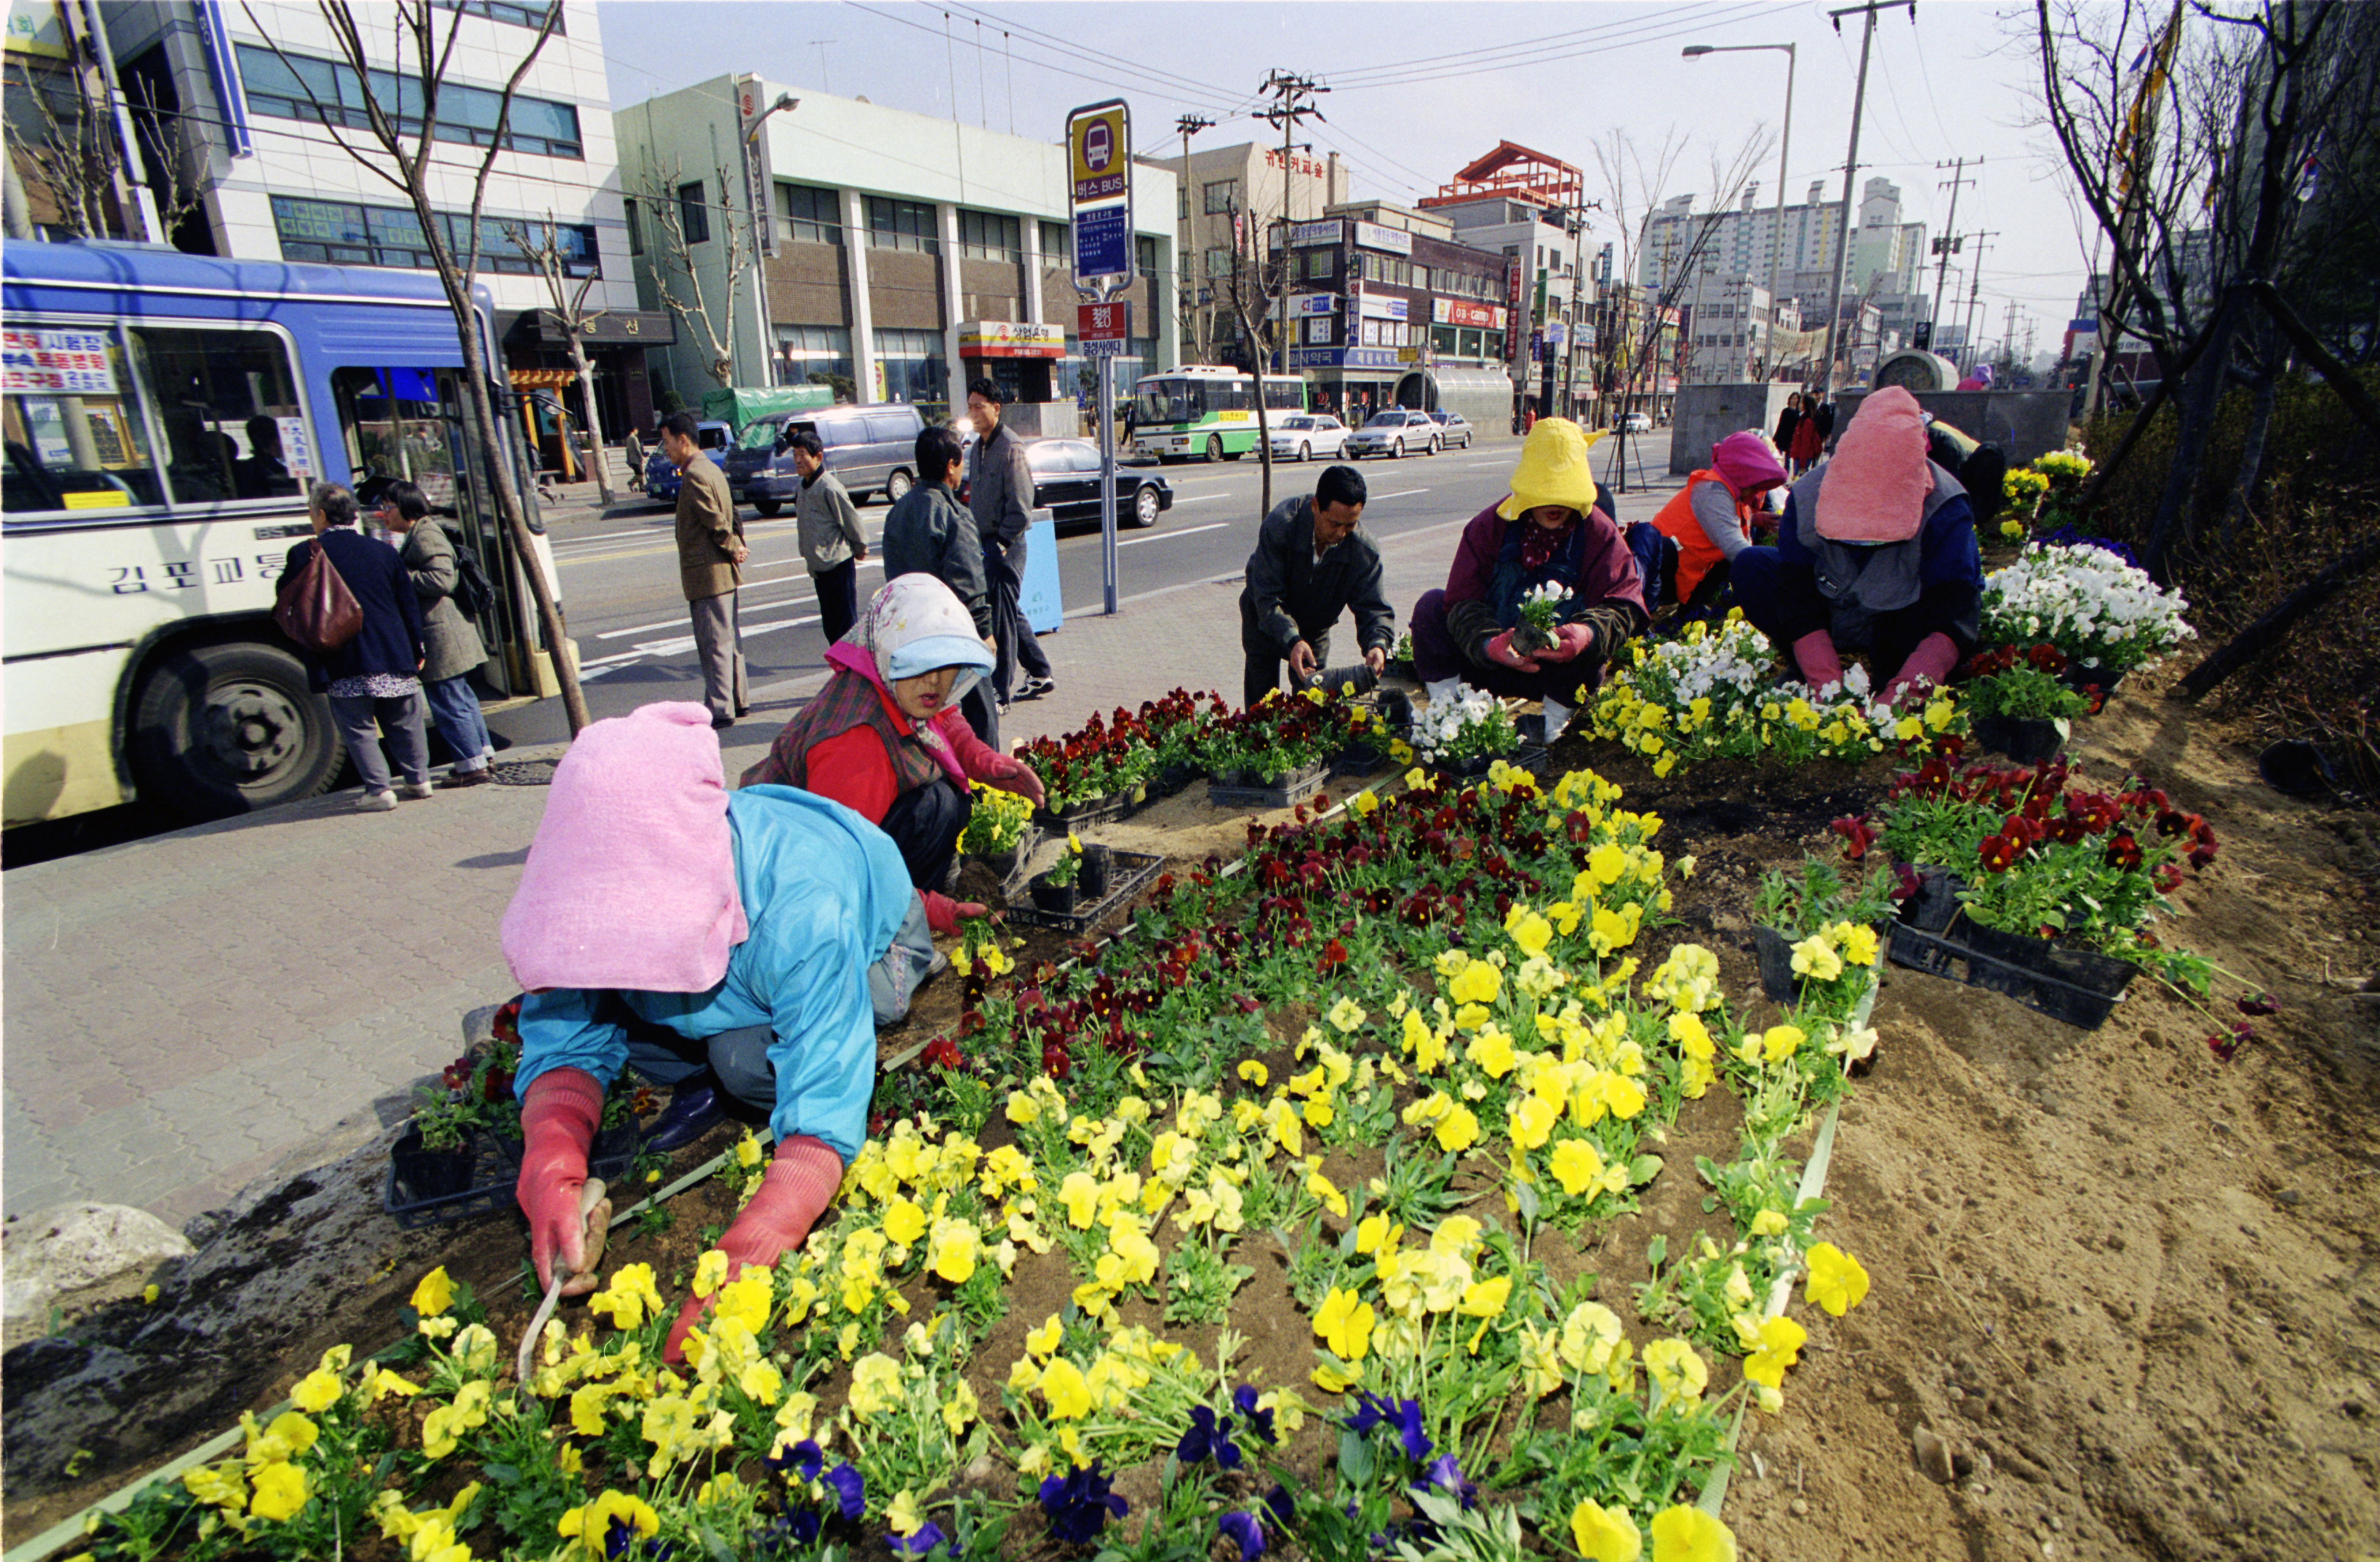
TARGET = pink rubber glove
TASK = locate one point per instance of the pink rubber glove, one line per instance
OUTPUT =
(942, 914)
(1012, 775)
(794, 1192)
(558, 1121)
(1501, 652)
(1929, 664)
(1571, 642)
(1815, 653)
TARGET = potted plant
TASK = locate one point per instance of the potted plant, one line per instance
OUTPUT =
(1059, 888)
(1814, 934)
(2020, 704)
(433, 1158)
(997, 829)
(1465, 735)
(1401, 659)
(1540, 611)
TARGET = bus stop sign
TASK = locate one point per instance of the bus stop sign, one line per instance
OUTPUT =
(1099, 142)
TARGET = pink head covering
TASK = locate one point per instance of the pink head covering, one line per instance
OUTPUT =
(1874, 490)
(1747, 460)
(631, 880)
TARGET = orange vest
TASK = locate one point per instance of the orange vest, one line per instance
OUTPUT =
(1696, 552)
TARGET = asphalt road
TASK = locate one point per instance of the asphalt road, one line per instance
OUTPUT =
(619, 572)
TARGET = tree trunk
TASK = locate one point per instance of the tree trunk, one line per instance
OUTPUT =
(2251, 457)
(2259, 637)
(2202, 395)
(602, 458)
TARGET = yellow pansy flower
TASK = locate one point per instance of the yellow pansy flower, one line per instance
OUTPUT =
(435, 1294)
(1345, 1325)
(1836, 1282)
(1688, 1534)
(280, 1492)
(1604, 1535)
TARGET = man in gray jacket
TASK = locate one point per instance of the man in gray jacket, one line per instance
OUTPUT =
(928, 533)
(826, 526)
(1000, 492)
(1311, 565)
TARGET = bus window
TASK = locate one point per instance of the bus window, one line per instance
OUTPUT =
(228, 405)
(1231, 396)
(76, 440)
(1286, 395)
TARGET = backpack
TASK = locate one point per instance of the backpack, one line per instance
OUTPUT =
(475, 594)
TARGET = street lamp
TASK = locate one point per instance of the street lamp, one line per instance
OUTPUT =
(763, 218)
(1784, 143)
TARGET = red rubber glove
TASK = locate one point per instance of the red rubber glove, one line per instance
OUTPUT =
(794, 1192)
(1501, 652)
(1012, 775)
(1929, 665)
(942, 914)
(1816, 655)
(559, 1117)
(1571, 642)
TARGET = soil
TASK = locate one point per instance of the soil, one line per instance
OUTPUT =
(2123, 1301)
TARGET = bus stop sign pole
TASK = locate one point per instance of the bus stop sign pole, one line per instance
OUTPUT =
(1106, 480)
(1099, 141)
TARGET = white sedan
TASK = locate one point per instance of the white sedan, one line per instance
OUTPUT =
(1301, 436)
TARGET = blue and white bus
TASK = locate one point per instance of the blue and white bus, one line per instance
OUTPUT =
(163, 414)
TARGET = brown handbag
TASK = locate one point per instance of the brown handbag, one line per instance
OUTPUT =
(314, 606)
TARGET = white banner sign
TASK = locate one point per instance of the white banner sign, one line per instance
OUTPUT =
(57, 362)
(1372, 236)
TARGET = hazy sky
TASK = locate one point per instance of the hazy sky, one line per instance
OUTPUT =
(1418, 89)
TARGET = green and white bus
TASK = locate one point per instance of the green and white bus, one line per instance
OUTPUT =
(1204, 409)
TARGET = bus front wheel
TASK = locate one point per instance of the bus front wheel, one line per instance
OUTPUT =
(1214, 447)
(225, 729)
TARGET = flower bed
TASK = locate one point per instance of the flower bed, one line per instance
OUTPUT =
(1405, 1061)
(1715, 693)
(1109, 758)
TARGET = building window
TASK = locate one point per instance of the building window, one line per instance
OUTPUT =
(692, 216)
(910, 367)
(514, 11)
(636, 231)
(815, 355)
(341, 233)
(807, 214)
(988, 236)
(1321, 264)
(1222, 196)
(1058, 246)
(1144, 251)
(902, 225)
(1219, 263)
(290, 86)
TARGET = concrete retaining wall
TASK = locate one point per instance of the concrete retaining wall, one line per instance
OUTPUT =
(1707, 414)
(2024, 424)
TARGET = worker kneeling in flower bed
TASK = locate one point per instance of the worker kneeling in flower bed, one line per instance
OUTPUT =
(663, 922)
(885, 736)
(1877, 552)
(1549, 532)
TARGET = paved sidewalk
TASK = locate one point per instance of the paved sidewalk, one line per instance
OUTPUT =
(186, 1014)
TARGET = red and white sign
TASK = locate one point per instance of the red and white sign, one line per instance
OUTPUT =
(1463, 311)
(1103, 329)
(63, 363)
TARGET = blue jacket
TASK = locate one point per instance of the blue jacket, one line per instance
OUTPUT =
(391, 640)
(824, 891)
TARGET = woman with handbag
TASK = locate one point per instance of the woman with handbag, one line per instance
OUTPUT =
(455, 647)
(374, 676)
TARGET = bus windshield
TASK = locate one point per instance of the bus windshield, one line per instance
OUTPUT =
(1172, 402)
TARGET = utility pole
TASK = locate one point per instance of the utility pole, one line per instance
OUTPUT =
(1975, 297)
(2008, 334)
(1851, 169)
(1945, 245)
(1292, 98)
(1188, 126)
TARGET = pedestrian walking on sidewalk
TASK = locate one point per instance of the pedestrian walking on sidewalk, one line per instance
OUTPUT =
(928, 531)
(1552, 530)
(1787, 421)
(885, 737)
(374, 680)
(1000, 492)
(1311, 564)
(452, 648)
(635, 453)
(826, 527)
(710, 555)
(664, 923)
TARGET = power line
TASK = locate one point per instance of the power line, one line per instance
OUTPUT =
(1676, 26)
(1519, 51)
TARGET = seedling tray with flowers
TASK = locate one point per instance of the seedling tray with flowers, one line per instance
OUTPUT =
(1278, 752)
(1262, 1226)
(1113, 765)
(2090, 602)
(1123, 875)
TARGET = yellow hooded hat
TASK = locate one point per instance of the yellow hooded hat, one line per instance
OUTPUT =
(1555, 468)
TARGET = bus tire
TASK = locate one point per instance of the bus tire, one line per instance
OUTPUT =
(1214, 447)
(220, 730)
(769, 509)
(899, 484)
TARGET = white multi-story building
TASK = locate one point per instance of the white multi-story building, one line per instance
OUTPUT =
(912, 253)
(249, 87)
(1247, 183)
(1887, 254)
